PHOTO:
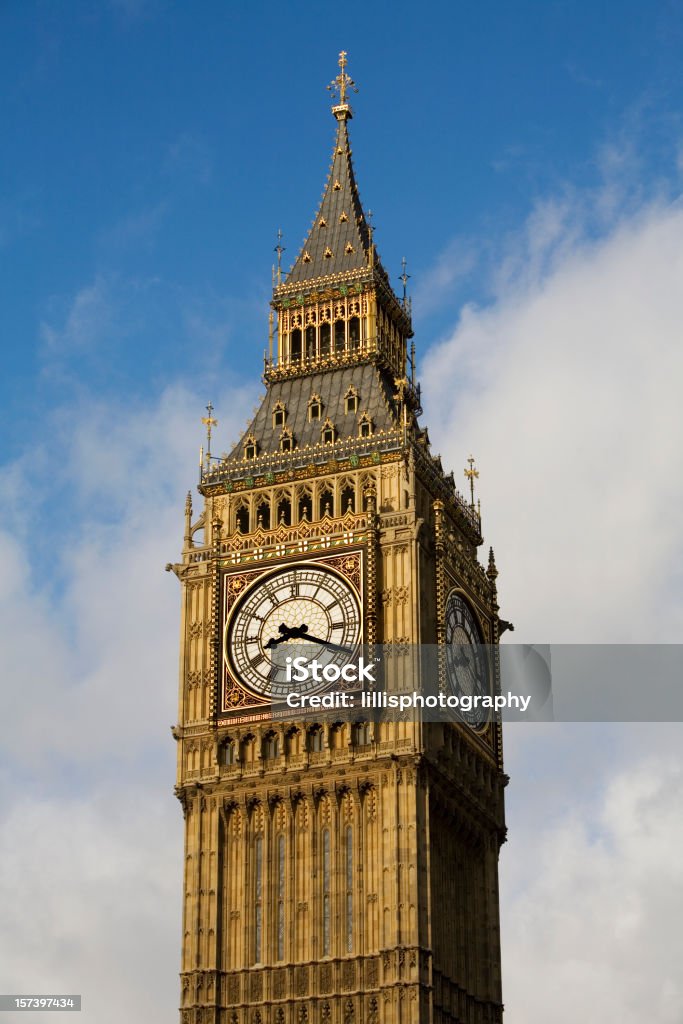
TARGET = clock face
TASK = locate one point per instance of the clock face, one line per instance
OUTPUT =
(308, 598)
(466, 662)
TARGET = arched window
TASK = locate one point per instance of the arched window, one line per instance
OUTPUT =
(295, 345)
(326, 908)
(229, 752)
(363, 734)
(348, 499)
(354, 333)
(305, 507)
(351, 400)
(263, 515)
(271, 746)
(279, 415)
(325, 336)
(339, 336)
(315, 739)
(286, 441)
(281, 897)
(284, 512)
(242, 519)
(310, 342)
(315, 408)
(326, 504)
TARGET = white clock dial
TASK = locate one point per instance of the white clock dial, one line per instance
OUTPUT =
(308, 598)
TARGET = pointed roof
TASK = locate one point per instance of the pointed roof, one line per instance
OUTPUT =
(340, 238)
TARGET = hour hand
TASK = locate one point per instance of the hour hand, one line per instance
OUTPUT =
(286, 634)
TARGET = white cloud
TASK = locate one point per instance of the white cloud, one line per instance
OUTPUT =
(593, 889)
(90, 832)
(568, 389)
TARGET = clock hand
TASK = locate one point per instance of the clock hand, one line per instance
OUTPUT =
(302, 633)
(287, 634)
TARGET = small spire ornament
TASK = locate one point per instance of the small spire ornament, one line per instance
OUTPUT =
(472, 474)
(209, 422)
(339, 85)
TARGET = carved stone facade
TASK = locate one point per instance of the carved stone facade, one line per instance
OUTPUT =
(335, 873)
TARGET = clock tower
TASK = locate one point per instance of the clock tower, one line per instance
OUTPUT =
(337, 870)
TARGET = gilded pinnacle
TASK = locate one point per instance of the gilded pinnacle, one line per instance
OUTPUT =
(339, 87)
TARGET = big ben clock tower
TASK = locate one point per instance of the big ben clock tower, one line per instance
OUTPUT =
(337, 871)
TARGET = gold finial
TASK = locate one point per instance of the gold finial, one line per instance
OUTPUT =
(339, 86)
(209, 422)
(471, 475)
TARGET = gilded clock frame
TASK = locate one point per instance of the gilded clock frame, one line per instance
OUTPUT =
(235, 698)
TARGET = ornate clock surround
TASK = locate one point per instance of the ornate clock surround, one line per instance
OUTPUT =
(236, 701)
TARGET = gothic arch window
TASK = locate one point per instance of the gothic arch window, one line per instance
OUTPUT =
(348, 499)
(339, 336)
(354, 333)
(305, 507)
(247, 749)
(325, 339)
(284, 512)
(362, 734)
(295, 345)
(229, 752)
(337, 735)
(293, 741)
(365, 426)
(242, 519)
(351, 400)
(328, 432)
(315, 408)
(263, 515)
(271, 746)
(279, 414)
(315, 739)
(286, 440)
(326, 503)
(250, 447)
(310, 342)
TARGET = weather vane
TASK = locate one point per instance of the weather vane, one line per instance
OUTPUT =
(471, 475)
(279, 249)
(209, 422)
(342, 82)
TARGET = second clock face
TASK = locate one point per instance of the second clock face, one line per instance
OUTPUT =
(466, 664)
(297, 596)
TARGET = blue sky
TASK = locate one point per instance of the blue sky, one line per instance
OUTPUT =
(152, 149)
(527, 159)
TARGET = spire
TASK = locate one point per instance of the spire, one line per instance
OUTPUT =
(340, 239)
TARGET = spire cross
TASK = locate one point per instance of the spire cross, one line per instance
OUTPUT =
(209, 422)
(343, 81)
(279, 249)
(404, 278)
(471, 475)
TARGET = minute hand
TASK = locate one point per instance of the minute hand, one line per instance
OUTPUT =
(326, 643)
